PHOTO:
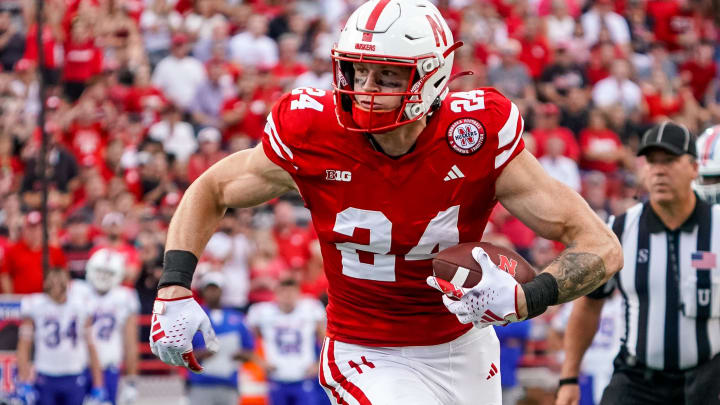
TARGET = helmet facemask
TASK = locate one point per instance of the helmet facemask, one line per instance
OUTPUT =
(708, 188)
(357, 118)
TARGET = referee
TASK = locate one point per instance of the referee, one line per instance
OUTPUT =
(670, 285)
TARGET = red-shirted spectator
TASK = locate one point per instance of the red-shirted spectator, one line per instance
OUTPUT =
(601, 147)
(77, 244)
(661, 99)
(144, 99)
(266, 267)
(548, 119)
(209, 139)
(83, 59)
(675, 22)
(506, 224)
(50, 46)
(112, 226)
(700, 71)
(86, 135)
(292, 240)
(22, 267)
(535, 52)
(245, 114)
(289, 66)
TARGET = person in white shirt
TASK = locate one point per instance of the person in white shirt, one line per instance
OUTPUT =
(601, 16)
(558, 166)
(253, 47)
(177, 136)
(56, 338)
(179, 75)
(115, 329)
(559, 25)
(292, 327)
(319, 76)
(617, 88)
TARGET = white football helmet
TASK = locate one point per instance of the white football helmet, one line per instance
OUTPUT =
(407, 33)
(105, 269)
(707, 185)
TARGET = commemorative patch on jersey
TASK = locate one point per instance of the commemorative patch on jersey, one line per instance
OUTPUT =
(466, 135)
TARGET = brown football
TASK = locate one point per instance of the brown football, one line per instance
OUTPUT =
(456, 264)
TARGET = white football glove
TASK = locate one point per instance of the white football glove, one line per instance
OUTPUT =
(174, 323)
(128, 394)
(491, 302)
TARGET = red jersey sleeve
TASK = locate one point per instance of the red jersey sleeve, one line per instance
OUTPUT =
(289, 123)
(505, 121)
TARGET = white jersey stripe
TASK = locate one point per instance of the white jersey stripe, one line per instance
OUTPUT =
(509, 130)
(274, 132)
(656, 304)
(503, 157)
(688, 338)
(274, 145)
(627, 278)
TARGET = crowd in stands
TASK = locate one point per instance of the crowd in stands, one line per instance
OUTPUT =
(144, 95)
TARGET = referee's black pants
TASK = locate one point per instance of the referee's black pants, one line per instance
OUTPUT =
(638, 385)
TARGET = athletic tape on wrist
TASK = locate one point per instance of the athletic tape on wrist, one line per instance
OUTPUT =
(540, 293)
(178, 269)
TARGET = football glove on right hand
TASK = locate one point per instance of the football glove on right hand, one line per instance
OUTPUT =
(174, 323)
(491, 302)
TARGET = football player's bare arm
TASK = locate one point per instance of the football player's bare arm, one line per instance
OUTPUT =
(243, 179)
(24, 347)
(579, 334)
(555, 212)
(95, 368)
(131, 346)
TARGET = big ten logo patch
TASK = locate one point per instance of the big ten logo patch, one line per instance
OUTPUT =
(507, 264)
(338, 175)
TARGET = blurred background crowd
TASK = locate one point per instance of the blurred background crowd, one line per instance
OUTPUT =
(144, 95)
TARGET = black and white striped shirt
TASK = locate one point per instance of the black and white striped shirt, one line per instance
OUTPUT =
(670, 285)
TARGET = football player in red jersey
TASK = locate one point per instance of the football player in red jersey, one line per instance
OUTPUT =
(394, 168)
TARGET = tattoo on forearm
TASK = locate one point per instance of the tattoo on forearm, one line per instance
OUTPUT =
(578, 274)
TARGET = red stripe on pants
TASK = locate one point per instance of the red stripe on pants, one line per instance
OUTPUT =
(324, 382)
(340, 378)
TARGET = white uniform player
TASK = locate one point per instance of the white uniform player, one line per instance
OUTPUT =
(291, 328)
(57, 324)
(114, 327)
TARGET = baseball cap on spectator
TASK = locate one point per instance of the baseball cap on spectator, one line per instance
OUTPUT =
(511, 47)
(77, 218)
(112, 218)
(215, 278)
(171, 199)
(33, 218)
(52, 102)
(209, 134)
(180, 39)
(549, 109)
(670, 137)
(23, 65)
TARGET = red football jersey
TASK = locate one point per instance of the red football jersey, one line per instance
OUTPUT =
(380, 220)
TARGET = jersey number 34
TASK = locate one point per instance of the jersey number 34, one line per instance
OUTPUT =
(441, 232)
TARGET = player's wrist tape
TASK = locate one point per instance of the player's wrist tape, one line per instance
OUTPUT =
(568, 381)
(540, 293)
(178, 269)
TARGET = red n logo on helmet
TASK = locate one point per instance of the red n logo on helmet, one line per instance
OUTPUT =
(507, 265)
(437, 28)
